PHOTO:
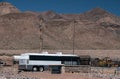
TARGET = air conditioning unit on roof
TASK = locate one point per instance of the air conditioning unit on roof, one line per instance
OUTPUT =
(59, 53)
(45, 52)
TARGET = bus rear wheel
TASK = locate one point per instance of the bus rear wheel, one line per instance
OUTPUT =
(41, 69)
(35, 68)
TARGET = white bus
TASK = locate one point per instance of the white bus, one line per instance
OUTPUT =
(40, 61)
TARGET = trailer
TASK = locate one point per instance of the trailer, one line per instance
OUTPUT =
(42, 61)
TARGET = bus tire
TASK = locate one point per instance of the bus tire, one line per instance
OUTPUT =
(35, 68)
(41, 69)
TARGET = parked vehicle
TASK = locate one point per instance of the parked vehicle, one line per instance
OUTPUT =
(2, 63)
(40, 61)
(16, 59)
(104, 62)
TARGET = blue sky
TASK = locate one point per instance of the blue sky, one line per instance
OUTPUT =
(66, 6)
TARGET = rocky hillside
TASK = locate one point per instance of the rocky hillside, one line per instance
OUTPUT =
(95, 29)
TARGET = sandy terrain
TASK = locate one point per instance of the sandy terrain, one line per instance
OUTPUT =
(92, 53)
(43, 75)
(96, 73)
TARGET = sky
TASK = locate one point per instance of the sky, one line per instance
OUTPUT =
(66, 6)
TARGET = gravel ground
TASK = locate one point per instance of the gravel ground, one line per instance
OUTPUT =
(9, 76)
(12, 73)
(96, 73)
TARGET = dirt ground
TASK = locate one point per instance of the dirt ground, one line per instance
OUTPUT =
(11, 72)
(93, 53)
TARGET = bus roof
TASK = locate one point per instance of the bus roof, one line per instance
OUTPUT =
(46, 54)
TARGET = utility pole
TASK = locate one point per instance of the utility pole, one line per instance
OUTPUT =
(74, 35)
(41, 26)
(41, 39)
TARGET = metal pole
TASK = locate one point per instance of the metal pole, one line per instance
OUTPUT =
(73, 36)
(41, 35)
(40, 39)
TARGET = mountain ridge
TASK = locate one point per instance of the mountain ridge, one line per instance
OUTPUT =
(94, 29)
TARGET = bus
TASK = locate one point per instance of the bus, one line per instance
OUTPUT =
(41, 61)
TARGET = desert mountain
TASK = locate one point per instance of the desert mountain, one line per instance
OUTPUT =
(95, 29)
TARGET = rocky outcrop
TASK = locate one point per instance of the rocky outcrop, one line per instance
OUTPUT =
(6, 8)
